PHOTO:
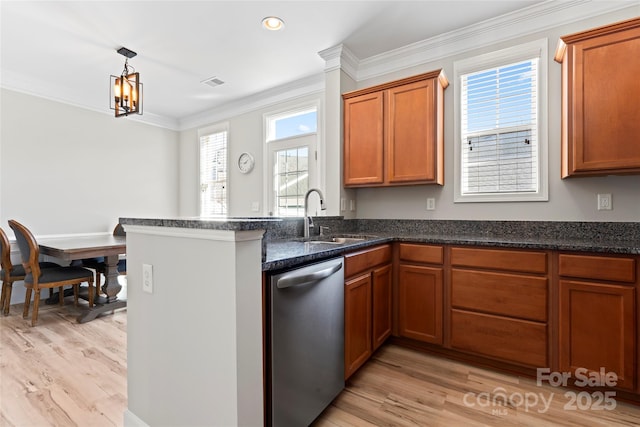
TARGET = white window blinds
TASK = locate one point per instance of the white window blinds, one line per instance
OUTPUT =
(213, 174)
(499, 129)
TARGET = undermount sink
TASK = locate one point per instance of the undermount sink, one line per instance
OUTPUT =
(338, 240)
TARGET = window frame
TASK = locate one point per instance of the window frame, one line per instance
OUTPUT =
(218, 128)
(503, 57)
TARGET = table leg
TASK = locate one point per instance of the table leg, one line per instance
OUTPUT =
(110, 288)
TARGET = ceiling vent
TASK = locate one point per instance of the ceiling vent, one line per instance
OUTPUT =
(212, 81)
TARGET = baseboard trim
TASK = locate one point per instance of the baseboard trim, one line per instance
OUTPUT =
(131, 420)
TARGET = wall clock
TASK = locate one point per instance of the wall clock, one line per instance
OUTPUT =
(246, 162)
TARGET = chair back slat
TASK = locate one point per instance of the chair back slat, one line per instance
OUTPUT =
(29, 249)
(119, 231)
(5, 256)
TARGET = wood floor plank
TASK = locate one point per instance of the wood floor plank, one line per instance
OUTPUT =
(62, 373)
(400, 387)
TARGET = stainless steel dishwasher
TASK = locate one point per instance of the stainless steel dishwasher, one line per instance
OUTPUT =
(306, 342)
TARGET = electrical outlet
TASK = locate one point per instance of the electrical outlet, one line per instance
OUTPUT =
(431, 204)
(147, 278)
(255, 206)
(604, 202)
(352, 205)
(343, 204)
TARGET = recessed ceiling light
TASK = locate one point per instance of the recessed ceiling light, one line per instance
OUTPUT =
(273, 23)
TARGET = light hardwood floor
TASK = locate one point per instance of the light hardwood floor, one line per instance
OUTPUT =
(62, 373)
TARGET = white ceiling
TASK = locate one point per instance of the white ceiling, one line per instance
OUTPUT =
(66, 50)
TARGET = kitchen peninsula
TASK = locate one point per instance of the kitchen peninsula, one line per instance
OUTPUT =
(195, 342)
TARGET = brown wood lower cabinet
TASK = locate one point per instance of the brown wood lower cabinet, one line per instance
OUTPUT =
(499, 304)
(367, 304)
(381, 303)
(420, 299)
(512, 308)
(357, 323)
(514, 340)
(420, 303)
(598, 318)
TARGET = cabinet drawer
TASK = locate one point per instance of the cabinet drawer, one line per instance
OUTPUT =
(358, 262)
(597, 267)
(513, 340)
(511, 295)
(421, 253)
(498, 259)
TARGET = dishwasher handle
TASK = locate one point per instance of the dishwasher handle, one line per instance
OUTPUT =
(297, 279)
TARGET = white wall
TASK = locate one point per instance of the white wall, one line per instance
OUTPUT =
(65, 169)
(572, 199)
(199, 363)
(569, 200)
(245, 134)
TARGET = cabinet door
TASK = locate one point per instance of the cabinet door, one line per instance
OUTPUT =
(411, 133)
(420, 303)
(597, 329)
(357, 323)
(381, 305)
(363, 140)
(601, 118)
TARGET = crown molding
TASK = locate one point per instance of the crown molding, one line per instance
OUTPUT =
(16, 83)
(340, 57)
(533, 19)
(302, 87)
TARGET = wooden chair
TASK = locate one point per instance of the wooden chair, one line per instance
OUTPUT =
(36, 278)
(99, 263)
(11, 273)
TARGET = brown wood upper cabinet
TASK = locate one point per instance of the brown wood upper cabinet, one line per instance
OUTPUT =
(600, 92)
(393, 133)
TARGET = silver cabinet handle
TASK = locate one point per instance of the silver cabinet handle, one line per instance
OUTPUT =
(297, 279)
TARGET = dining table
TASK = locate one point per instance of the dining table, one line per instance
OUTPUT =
(72, 248)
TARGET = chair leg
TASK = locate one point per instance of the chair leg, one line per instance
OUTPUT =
(97, 283)
(36, 305)
(76, 289)
(3, 298)
(6, 298)
(60, 295)
(91, 294)
(27, 302)
(4, 294)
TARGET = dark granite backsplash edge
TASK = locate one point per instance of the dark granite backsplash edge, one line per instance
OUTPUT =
(544, 230)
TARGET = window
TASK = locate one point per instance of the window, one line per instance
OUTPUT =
(291, 141)
(213, 172)
(292, 123)
(501, 138)
(291, 180)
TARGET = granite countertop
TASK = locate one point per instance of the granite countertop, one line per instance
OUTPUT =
(283, 249)
(290, 253)
(205, 223)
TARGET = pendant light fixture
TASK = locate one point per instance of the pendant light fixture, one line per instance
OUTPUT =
(126, 89)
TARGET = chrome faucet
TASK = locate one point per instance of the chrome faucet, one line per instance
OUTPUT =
(308, 222)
